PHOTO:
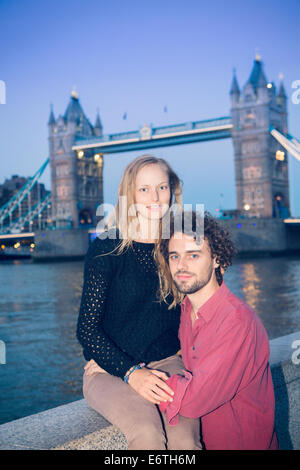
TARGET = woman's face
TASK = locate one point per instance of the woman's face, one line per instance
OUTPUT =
(152, 191)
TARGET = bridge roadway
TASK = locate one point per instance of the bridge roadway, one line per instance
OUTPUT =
(151, 137)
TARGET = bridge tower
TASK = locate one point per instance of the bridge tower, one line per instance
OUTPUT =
(76, 177)
(261, 165)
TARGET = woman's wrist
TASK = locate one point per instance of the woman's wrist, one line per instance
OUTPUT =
(132, 369)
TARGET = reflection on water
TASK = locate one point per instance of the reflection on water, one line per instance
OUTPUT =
(38, 314)
(272, 287)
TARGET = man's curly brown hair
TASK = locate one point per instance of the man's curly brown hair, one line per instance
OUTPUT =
(221, 247)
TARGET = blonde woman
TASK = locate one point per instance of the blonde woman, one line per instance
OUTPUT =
(129, 337)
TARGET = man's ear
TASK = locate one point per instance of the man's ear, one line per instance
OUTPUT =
(217, 265)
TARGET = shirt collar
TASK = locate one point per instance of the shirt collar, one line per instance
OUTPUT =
(208, 309)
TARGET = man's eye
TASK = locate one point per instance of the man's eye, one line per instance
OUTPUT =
(173, 257)
(143, 190)
(164, 187)
(193, 256)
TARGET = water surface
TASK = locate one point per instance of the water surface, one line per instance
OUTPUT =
(38, 314)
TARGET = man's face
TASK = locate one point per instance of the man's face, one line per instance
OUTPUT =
(191, 264)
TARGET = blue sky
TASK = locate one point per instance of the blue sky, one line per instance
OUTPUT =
(137, 57)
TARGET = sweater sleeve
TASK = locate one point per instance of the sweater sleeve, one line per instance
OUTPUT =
(98, 276)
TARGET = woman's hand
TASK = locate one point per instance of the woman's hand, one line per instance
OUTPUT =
(92, 368)
(150, 384)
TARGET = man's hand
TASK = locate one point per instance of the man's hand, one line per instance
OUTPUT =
(150, 384)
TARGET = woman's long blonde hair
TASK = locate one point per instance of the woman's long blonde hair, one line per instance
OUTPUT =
(121, 219)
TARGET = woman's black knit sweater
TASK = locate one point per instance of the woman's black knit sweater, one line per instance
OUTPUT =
(121, 321)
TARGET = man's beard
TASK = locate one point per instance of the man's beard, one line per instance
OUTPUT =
(196, 286)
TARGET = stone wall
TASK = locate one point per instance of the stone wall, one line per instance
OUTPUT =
(60, 244)
(251, 236)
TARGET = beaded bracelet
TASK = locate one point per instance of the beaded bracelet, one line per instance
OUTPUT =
(132, 369)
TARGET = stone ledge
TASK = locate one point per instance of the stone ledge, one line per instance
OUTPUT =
(51, 428)
(77, 426)
(109, 438)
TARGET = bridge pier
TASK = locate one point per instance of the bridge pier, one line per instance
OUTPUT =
(258, 236)
(264, 236)
(54, 245)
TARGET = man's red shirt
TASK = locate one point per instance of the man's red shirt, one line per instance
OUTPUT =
(227, 382)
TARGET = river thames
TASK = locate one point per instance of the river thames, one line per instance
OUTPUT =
(38, 314)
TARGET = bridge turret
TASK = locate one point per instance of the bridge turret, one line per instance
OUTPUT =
(262, 188)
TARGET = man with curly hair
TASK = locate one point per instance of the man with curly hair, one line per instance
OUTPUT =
(226, 379)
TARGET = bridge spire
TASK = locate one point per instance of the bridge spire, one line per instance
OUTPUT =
(98, 128)
(234, 89)
(74, 111)
(51, 120)
(281, 91)
(74, 93)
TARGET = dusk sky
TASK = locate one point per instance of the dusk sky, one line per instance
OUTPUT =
(138, 57)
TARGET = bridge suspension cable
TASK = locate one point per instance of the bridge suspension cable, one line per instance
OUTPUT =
(290, 143)
(17, 199)
(36, 210)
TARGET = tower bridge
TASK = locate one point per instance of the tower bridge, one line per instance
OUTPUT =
(257, 125)
(78, 150)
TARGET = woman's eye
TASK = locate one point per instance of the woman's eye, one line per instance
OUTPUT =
(173, 257)
(143, 190)
(164, 187)
(193, 256)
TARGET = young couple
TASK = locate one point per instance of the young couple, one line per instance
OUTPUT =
(141, 294)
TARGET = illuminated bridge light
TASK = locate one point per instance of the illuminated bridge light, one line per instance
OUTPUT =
(279, 155)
